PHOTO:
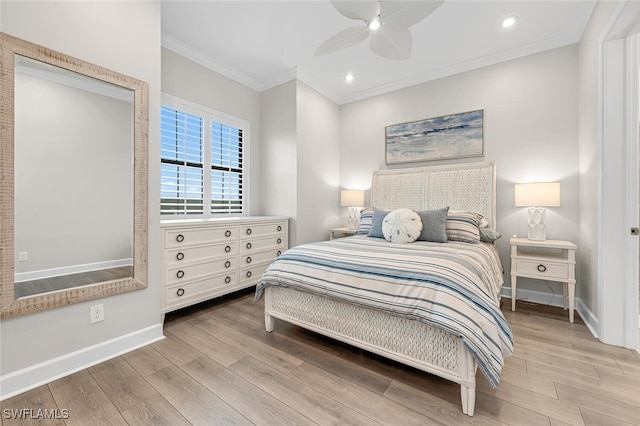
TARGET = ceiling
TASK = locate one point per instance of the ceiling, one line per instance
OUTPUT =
(264, 43)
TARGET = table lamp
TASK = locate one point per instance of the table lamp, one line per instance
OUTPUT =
(537, 196)
(352, 199)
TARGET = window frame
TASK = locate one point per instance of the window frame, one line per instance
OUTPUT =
(209, 116)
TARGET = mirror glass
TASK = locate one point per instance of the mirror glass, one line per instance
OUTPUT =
(74, 185)
(73, 168)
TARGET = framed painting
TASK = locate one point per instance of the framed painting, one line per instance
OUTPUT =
(439, 138)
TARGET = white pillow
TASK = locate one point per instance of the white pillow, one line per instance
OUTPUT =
(401, 226)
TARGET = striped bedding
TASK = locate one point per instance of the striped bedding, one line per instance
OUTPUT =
(451, 285)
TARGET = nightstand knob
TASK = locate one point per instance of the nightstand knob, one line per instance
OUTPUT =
(542, 268)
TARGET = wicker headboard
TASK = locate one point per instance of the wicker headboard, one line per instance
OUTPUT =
(467, 186)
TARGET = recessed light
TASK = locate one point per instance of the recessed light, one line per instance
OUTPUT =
(349, 77)
(509, 21)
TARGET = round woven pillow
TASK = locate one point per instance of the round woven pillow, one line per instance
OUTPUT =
(401, 226)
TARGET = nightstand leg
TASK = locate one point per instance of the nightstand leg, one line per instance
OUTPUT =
(572, 290)
(564, 295)
(513, 292)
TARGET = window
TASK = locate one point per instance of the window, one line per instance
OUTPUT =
(202, 161)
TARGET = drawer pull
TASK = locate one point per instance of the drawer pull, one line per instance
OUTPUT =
(249, 245)
(179, 238)
(248, 259)
(279, 240)
(542, 268)
(180, 256)
(227, 233)
(249, 274)
(227, 280)
(227, 249)
(279, 228)
(180, 274)
(180, 292)
(227, 264)
(279, 252)
(249, 231)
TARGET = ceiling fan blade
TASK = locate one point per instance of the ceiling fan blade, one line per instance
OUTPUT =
(342, 40)
(403, 14)
(362, 10)
(392, 43)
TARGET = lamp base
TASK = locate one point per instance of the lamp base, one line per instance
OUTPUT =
(537, 229)
(352, 219)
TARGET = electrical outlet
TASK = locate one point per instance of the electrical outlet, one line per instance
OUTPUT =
(23, 256)
(96, 314)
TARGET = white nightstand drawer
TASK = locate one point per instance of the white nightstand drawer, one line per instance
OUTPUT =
(542, 269)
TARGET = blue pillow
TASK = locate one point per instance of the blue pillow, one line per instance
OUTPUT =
(489, 235)
(366, 216)
(376, 223)
(434, 225)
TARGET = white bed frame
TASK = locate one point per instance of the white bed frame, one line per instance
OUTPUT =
(469, 186)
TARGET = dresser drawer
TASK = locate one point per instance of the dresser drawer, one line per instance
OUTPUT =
(192, 290)
(187, 255)
(252, 273)
(188, 272)
(542, 269)
(259, 229)
(185, 237)
(254, 258)
(257, 244)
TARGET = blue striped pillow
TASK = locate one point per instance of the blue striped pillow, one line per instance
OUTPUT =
(366, 217)
(463, 226)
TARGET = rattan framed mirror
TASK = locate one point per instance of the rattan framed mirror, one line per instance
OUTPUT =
(128, 176)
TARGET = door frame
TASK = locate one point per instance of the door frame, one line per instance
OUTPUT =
(618, 250)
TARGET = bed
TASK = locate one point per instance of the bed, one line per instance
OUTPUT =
(430, 305)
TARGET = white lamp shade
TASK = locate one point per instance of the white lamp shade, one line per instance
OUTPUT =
(538, 194)
(352, 198)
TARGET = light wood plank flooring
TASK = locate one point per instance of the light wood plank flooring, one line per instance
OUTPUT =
(63, 282)
(217, 365)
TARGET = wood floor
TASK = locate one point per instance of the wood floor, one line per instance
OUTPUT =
(217, 365)
(63, 282)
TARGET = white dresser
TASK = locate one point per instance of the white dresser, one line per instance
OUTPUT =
(207, 258)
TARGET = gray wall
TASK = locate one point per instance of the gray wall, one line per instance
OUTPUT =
(73, 175)
(531, 130)
(123, 37)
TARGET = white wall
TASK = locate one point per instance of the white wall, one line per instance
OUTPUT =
(190, 81)
(300, 160)
(318, 165)
(278, 184)
(73, 175)
(123, 37)
(590, 159)
(531, 130)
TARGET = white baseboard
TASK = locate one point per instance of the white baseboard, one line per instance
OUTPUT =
(73, 269)
(40, 374)
(543, 298)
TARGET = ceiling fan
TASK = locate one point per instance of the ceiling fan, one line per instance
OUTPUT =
(387, 22)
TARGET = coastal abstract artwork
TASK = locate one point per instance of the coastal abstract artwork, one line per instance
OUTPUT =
(440, 138)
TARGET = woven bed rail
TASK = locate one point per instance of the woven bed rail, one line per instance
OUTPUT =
(407, 341)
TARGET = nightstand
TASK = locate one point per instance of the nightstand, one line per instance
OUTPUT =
(340, 232)
(552, 260)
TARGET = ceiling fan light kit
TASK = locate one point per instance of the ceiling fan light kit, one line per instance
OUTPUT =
(387, 24)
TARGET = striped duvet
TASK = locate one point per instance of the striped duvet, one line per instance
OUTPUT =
(451, 285)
